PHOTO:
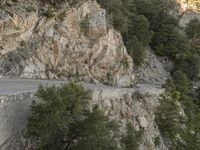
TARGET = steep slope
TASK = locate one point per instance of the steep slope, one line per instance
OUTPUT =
(39, 41)
(75, 42)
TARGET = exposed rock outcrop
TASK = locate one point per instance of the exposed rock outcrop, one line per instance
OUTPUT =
(72, 42)
(153, 70)
(75, 42)
(187, 11)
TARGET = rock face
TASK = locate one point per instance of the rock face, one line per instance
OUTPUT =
(153, 70)
(75, 42)
(186, 11)
(188, 5)
(72, 42)
(135, 105)
(187, 17)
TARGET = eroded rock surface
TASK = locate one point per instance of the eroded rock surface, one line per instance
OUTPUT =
(72, 42)
(153, 70)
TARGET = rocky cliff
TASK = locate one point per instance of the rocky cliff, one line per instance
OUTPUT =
(39, 41)
(75, 42)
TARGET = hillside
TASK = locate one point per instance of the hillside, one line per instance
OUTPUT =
(139, 59)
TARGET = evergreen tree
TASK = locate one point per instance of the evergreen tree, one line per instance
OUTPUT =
(61, 120)
(55, 110)
(169, 119)
(96, 132)
(193, 29)
(136, 50)
(133, 138)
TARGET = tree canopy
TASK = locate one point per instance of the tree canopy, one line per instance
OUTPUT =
(61, 119)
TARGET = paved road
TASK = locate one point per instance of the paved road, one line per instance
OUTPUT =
(13, 86)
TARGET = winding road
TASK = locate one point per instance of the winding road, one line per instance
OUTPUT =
(14, 86)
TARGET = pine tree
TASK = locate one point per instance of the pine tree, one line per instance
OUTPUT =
(61, 120)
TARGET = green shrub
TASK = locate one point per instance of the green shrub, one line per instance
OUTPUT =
(56, 109)
(96, 132)
(62, 16)
(133, 138)
(61, 120)
(193, 28)
(84, 25)
(168, 117)
(136, 50)
(125, 63)
(128, 21)
(157, 141)
(49, 13)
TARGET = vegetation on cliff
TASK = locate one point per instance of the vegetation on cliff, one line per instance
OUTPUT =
(142, 23)
(147, 22)
(62, 118)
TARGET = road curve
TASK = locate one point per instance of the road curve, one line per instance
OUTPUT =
(14, 86)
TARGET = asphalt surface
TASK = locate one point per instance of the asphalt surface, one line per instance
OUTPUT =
(14, 86)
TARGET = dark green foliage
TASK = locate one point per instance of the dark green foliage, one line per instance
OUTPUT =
(55, 110)
(61, 119)
(94, 132)
(134, 27)
(135, 49)
(181, 81)
(188, 100)
(157, 141)
(62, 16)
(84, 25)
(168, 117)
(125, 63)
(193, 29)
(197, 96)
(141, 28)
(168, 41)
(191, 135)
(73, 2)
(189, 65)
(49, 13)
(133, 138)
